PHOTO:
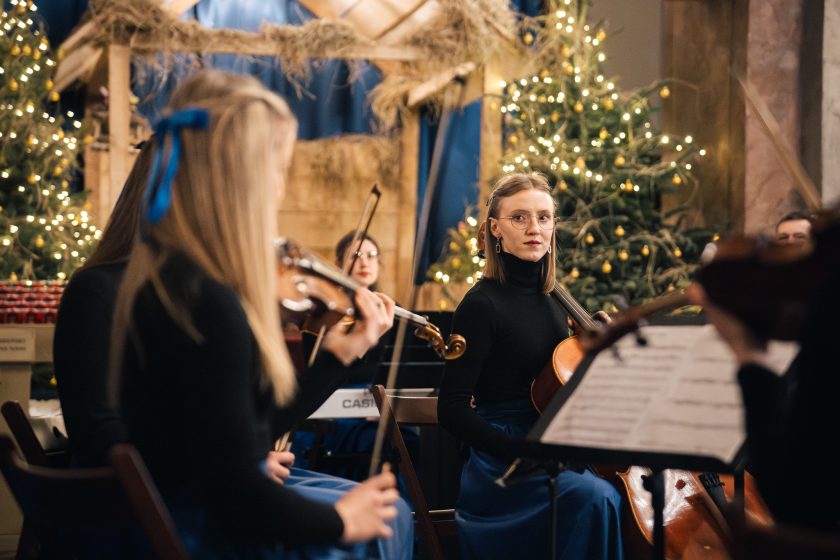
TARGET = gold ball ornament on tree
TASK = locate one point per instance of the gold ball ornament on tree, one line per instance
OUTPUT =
(619, 160)
(619, 231)
(645, 250)
(65, 184)
(528, 38)
(32, 179)
(627, 186)
(603, 134)
(39, 242)
(562, 185)
(677, 252)
(623, 255)
(555, 116)
(609, 105)
(671, 287)
(606, 268)
(456, 262)
(54, 96)
(21, 9)
(49, 84)
(575, 273)
(601, 35)
(512, 139)
(36, 55)
(13, 85)
(544, 74)
(665, 92)
(13, 277)
(568, 69)
(27, 50)
(565, 51)
(676, 179)
(578, 107)
(15, 51)
(57, 170)
(589, 238)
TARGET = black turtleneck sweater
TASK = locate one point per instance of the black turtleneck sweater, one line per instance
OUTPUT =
(511, 329)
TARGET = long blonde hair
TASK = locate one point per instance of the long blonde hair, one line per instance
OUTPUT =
(506, 186)
(223, 214)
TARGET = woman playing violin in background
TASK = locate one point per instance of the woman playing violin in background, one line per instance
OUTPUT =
(512, 326)
(198, 359)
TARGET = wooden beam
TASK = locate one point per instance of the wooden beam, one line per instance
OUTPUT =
(257, 45)
(76, 65)
(430, 87)
(178, 7)
(409, 162)
(119, 115)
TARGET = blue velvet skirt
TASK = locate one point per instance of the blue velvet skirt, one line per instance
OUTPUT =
(513, 522)
(315, 486)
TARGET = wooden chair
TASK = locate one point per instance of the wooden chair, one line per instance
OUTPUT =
(24, 435)
(430, 526)
(113, 498)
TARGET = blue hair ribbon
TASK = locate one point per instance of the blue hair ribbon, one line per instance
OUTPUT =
(159, 191)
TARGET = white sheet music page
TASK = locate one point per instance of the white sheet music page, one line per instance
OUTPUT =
(678, 394)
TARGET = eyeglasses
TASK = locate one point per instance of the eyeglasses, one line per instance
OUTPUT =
(522, 220)
(369, 255)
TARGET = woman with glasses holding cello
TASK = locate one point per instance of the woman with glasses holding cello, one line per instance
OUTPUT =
(512, 325)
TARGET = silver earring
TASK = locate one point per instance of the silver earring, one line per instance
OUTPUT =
(499, 245)
(549, 249)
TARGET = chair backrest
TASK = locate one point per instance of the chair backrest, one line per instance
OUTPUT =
(23, 433)
(419, 411)
(103, 499)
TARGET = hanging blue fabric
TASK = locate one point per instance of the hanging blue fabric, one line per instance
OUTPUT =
(159, 191)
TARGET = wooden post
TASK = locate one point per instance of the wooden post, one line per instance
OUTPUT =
(409, 153)
(119, 114)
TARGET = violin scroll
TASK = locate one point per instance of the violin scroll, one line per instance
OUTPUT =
(452, 349)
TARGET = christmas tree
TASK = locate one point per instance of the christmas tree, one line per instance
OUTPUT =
(44, 233)
(608, 166)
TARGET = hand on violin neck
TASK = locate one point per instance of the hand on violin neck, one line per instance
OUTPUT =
(602, 317)
(745, 344)
(375, 317)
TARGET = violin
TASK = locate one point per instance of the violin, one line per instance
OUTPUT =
(315, 294)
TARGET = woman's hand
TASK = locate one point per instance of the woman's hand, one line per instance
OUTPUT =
(366, 509)
(602, 317)
(376, 316)
(278, 465)
(746, 346)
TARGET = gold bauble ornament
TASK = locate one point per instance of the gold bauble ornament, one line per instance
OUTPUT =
(512, 139)
(39, 241)
(575, 273)
(511, 89)
(27, 50)
(619, 160)
(562, 185)
(36, 55)
(568, 69)
(676, 180)
(456, 262)
(677, 252)
(603, 134)
(544, 74)
(87, 139)
(601, 35)
(619, 231)
(664, 93)
(627, 186)
(57, 170)
(54, 96)
(606, 268)
(623, 255)
(578, 107)
(565, 52)
(32, 179)
(453, 246)
(21, 9)
(64, 162)
(609, 105)
(555, 116)
(13, 277)
(528, 38)
(715, 237)
(671, 287)
(645, 250)
(49, 84)
(589, 238)
(65, 183)
(580, 163)
(15, 51)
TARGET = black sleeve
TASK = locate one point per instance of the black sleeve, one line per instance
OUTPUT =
(80, 357)
(222, 411)
(475, 321)
(315, 385)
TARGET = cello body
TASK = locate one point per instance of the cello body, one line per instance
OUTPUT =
(565, 358)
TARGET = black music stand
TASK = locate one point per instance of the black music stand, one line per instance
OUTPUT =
(656, 461)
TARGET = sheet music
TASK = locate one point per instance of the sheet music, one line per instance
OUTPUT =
(678, 394)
